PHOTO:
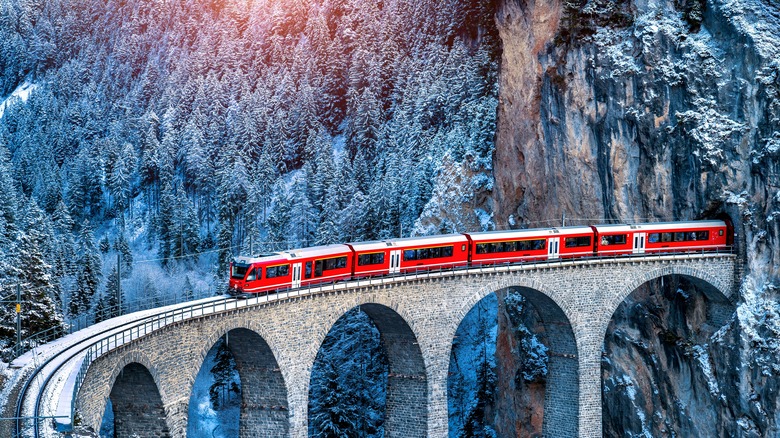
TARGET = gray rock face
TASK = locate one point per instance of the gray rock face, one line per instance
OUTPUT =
(636, 110)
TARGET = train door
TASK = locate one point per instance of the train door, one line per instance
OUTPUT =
(639, 243)
(395, 261)
(553, 248)
(296, 275)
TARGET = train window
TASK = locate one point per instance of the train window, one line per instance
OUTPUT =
(574, 242)
(334, 263)
(702, 235)
(447, 251)
(435, 253)
(277, 271)
(318, 268)
(679, 237)
(720, 232)
(410, 254)
(308, 269)
(617, 239)
(251, 276)
(423, 253)
(376, 258)
(654, 237)
(481, 248)
(463, 247)
(666, 237)
(239, 271)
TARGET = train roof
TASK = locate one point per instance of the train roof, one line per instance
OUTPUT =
(270, 257)
(659, 226)
(292, 254)
(527, 233)
(317, 251)
(369, 246)
(426, 240)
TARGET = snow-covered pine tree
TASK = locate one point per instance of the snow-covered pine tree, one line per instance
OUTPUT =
(304, 217)
(122, 246)
(40, 291)
(279, 221)
(329, 230)
(188, 293)
(89, 273)
(224, 372)
(120, 180)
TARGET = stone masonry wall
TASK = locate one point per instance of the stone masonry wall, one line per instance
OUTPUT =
(578, 298)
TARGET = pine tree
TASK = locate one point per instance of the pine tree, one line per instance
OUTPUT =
(329, 230)
(189, 291)
(113, 296)
(121, 178)
(126, 256)
(224, 372)
(166, 225)
(279, 221)
(40, 291)
(90, 272)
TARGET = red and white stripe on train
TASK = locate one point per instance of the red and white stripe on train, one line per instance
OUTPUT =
(330, 263)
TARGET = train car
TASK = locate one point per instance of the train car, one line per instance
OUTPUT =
(530, 245)
(661, 237)
(372, 258)
(290, 269)
(426, 253)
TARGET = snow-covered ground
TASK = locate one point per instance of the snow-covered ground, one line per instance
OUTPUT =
(21, 366)
(22, 92)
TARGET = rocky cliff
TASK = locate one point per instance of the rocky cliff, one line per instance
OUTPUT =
(656, 110)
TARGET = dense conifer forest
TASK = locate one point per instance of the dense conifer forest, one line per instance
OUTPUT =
(170, 136)
(180, 134)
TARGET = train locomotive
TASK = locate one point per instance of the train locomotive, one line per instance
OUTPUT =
(330, 263)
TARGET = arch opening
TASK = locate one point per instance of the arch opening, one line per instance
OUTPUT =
(136, 404)
(215, 402)
(513, 368)
(369, 378)
(239, 390)
(659, 372)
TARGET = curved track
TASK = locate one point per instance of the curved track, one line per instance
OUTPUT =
(72, 351)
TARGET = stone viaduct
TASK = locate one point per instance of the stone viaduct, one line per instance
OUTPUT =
(149, 380)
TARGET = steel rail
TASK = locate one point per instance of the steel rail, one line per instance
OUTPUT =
(104, 344)
(23, 393)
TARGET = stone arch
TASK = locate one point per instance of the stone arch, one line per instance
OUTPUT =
(718, 293)
(561, 399)
(649, 347)
(406, 409)
(117, 368)
(264, 404)
(137, 402)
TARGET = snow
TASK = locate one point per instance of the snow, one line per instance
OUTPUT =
(752, 19)
(625, 382)
(56, 392)
(701, 355)
(21, 93)
(711, 129)
(485, 219)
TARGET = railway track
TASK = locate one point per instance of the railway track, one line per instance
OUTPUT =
(58, 360)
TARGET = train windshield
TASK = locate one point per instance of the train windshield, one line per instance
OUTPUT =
(239, 271)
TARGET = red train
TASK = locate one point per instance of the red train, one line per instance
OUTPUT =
(324, 264)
